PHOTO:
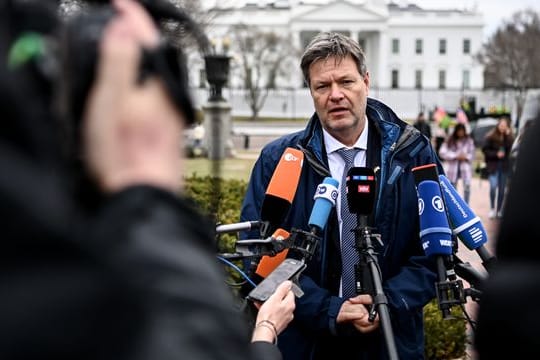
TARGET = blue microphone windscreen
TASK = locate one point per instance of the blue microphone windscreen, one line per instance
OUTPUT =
(435, 233)
(467, 226)
(325, 198)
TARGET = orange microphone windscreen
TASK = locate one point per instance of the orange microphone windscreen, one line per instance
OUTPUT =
(267, 264)
(282, 188)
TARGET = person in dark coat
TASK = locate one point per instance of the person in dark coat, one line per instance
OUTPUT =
(515, 278)
(496, 149)
(422, 125)
(137, 278)
(326, 321)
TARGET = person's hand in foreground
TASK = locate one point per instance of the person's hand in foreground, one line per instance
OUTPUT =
(274, 314)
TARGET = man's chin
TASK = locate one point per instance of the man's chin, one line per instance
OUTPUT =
(340, 122)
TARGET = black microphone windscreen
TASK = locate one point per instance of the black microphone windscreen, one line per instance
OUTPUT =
(425, 172)
(361, 190)
(274, 209)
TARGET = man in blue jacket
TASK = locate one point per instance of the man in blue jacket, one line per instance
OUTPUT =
(327, 321)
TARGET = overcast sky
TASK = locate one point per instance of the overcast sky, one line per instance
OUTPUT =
(494, 11)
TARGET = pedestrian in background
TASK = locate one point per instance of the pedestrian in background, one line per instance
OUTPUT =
(457, 153)
(496, 150)
(423, 125)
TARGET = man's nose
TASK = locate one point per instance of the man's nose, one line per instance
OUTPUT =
(335, 92)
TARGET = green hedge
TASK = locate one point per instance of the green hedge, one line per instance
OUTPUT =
(221, 199)
(445, 339)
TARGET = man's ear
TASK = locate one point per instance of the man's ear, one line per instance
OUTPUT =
(366, 79)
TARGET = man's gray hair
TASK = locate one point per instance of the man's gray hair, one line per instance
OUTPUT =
(331, 44)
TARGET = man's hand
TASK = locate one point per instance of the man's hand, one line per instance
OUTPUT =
(354, 310)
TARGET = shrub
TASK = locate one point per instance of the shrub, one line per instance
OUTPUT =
(220, 199)
(444, 339)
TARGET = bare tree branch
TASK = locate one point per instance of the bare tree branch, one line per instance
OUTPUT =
(511, 57)
(260, 60)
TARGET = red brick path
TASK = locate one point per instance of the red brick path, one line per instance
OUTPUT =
(479, 202)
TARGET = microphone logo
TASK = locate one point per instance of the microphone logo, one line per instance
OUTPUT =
(420, 206)
(323, 188)
(289, 157)
(363, 189)
(437, 203)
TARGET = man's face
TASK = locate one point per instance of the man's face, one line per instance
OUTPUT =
(339, 94)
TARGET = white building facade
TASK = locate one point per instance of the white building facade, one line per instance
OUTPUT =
(411, 52)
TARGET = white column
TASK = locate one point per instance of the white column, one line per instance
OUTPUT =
(382, 61)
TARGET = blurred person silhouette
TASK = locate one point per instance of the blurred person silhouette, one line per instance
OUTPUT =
(515, 278)
(496, 149)
(422, 125)
(458, 153)
(442, 123)
(514, 151)
(137, 279)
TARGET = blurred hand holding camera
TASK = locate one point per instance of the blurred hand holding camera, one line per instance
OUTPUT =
(132, 128)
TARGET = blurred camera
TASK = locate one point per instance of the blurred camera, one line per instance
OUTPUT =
(79, 54)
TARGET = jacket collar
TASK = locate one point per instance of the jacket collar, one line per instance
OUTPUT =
(388, 125)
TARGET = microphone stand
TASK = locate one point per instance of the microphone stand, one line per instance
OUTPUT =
(368, 257)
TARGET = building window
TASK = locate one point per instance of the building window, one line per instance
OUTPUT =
(395, 46)
(466, 46)
(306, 37)
(442, 79)
(466, 79)
(395, 79)
(202, 78)
(442, 46)
(418, 46)
(418, 79)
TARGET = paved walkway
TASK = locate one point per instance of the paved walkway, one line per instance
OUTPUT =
(479, 202)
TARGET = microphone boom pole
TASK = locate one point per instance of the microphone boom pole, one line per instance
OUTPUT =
(367, 252)
(361, 189)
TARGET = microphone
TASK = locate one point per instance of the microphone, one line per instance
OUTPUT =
(229, 228)
(325, 199)
(281, 190)
(361, 189)
(276, 270)
(258, 248)
(467, 226)
(435, 233)
(267, 264)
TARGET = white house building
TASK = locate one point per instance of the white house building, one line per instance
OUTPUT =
(414, 55)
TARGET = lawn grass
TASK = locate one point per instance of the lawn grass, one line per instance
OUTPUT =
(238, 167)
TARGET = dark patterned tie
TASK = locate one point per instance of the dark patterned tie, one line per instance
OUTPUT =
(349, 254)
